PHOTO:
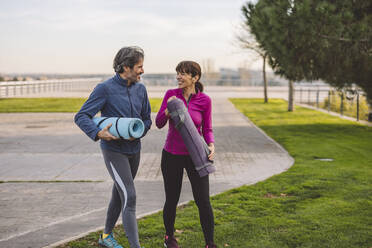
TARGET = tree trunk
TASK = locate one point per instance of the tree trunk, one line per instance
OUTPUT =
(290, 96)
(368, 93)
(369, 101)
(264, 78)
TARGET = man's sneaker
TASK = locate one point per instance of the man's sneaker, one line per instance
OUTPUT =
(211, 246)
(109, 242)
(170, 242)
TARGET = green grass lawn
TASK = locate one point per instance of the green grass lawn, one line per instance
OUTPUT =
(313, 204)
(23, 105)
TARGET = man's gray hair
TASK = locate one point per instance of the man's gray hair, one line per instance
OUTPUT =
(127, 56)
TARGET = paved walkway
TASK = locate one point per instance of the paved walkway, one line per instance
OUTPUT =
(72, 198)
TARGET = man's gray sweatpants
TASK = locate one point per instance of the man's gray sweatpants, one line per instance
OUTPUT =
(123, 168)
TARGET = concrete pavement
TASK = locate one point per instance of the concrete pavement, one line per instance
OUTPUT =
(72, 194)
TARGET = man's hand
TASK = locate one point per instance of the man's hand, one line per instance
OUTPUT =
(106, 135)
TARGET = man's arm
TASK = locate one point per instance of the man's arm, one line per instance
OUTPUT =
(89, 109)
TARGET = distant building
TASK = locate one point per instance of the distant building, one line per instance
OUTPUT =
(225, 76)
(163, 79)
(7, 78)
(28, 78)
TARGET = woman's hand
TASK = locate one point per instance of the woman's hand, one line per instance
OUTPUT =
(211, 148)
(169, 99)
(105, 134)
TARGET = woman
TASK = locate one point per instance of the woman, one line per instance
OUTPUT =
(175, 156)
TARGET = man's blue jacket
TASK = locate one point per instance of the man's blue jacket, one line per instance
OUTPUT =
(114, 98)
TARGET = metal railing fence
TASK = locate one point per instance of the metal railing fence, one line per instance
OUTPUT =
(24, 88)
(349, 102)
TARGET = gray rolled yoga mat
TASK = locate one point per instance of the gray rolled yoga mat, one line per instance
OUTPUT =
(195, 144)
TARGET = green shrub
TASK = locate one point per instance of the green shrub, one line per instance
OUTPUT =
(349, 105)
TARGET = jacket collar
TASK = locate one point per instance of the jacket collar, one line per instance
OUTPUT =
(121, 80)
(179, 92)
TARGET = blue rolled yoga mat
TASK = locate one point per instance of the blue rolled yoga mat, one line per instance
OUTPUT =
(121, 127)
(195, 144)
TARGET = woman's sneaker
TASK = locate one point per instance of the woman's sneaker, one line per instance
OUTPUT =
(170, 242)
(211, 246)
(109, 242)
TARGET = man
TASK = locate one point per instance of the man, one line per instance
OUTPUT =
(120, 96)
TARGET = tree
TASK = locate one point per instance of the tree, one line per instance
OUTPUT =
(347, 41)
(316, 39)
(273, 29)
(247, 41)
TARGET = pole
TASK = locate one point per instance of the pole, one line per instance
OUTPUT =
(357, 106)
(329, 100)
(317, 98)
(342, 104)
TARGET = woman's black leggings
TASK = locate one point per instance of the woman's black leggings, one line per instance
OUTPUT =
(172, 168)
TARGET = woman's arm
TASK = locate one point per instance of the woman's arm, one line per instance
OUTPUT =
(207, 129)
(163, 115)
(207, 122)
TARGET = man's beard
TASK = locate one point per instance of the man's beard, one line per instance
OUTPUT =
(134, 79)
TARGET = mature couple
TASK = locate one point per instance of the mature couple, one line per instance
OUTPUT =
(123, 96)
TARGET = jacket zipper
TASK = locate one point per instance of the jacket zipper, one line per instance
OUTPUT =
(131, 109)
(188, 101)
(130, 103)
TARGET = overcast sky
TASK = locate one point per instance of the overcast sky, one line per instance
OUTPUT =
(83, 36)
